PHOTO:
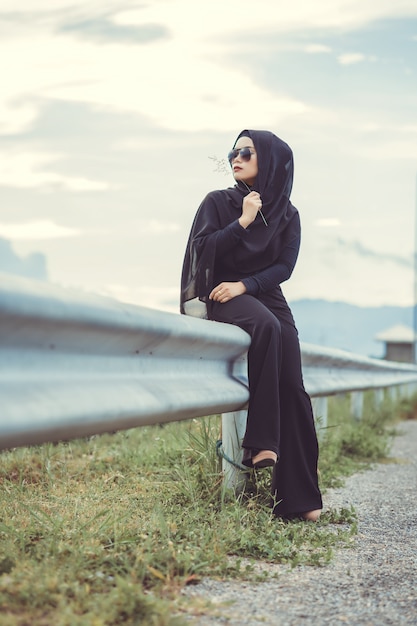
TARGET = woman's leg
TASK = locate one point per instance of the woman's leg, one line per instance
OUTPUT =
(264, 365)
(295, 482)
(280, 416)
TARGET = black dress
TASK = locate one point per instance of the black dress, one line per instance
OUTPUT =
(280, 416)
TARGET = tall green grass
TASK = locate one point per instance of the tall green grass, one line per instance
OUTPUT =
(107, 530)
(348, 444)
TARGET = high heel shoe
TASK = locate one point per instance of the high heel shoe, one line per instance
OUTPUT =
(264, 458)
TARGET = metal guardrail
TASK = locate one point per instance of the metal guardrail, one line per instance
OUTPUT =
(74, 364)
(328, 371)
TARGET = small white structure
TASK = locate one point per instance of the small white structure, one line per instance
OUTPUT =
(399, 343)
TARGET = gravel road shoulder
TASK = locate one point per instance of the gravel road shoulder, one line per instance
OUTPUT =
(374, 583)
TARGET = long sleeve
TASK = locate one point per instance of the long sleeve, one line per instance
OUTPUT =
(275, 274)
(220, 249)
(226, 238)
(212, 236)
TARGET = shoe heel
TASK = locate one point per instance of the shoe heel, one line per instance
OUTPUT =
(264, 458)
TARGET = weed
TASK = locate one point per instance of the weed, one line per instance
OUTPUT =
(106, 530)
(350, 445)
(408, 408)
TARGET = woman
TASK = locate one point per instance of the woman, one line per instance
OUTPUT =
(243, 244)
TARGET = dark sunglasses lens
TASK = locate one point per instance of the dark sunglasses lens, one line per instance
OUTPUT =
(245, 154)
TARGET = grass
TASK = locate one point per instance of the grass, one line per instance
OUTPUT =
(107, 530)
(350, 445)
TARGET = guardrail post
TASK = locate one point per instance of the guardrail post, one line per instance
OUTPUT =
(379, 396)
(404, 391)
(412, 389)
(319, 404)
(393, 393)
(233, 431)
(356, 404)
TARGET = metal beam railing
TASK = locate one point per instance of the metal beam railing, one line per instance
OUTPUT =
(75, 364)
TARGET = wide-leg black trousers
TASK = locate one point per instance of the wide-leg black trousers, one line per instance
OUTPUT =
(280, 416)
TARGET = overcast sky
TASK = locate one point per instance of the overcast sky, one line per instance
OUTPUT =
(114, 121)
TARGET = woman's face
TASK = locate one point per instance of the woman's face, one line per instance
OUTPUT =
(242, 169)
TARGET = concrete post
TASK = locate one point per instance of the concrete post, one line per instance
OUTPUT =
(356, 404)
(233, 431)
(320, 406)
(379, 396)
(393, 393)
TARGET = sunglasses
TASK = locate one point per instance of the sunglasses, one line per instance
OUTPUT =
(244, 153)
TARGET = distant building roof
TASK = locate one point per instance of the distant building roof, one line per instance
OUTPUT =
(397, 334)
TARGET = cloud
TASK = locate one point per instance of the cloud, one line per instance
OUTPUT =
(317, 48)
(157, 227)
(328, 222)
(64, 58)
(33, 170)
(350, 58)
(105, 30)
(358, 248)
(32, 266)
(89, 93)
(203, 93)
(387, 141)
(16, 115)
(36, 230)
(213, 19)
(154, 227)
(162, 297)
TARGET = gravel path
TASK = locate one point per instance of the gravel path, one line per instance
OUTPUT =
(373, 584)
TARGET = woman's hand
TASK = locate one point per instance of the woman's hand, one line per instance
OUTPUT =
(252, 203)
(227, 291)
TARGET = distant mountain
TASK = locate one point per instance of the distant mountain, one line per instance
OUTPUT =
(346, 326)
(32, 266)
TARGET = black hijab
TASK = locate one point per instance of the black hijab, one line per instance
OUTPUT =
(262, 247)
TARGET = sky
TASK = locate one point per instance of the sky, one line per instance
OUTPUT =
(116, 117)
